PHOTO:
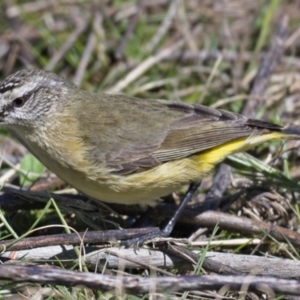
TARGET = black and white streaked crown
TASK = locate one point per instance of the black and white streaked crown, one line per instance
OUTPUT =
(9, 84)
(35, 77)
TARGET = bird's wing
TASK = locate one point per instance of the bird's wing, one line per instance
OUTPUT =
(139, 134)
(207, 128)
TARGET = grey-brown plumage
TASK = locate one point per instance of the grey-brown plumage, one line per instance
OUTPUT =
(118, 148)
(149, 132)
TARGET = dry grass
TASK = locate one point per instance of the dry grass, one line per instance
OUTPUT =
(218, 53)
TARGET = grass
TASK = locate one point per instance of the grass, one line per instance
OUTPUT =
(33, 36)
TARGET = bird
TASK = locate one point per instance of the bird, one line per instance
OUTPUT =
(122, 149)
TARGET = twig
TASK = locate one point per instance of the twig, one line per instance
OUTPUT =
(241, 225)
(19, 48)
(209, 264)
(134, 284)
(90, 45)
(97, 257)
(267, 67)
(81, 26)
(143, 67)
(227, 55)
(132, 24)
(184, 26)
(91, 237)
(164, 27)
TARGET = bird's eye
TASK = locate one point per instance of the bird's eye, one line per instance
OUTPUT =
(19, 102)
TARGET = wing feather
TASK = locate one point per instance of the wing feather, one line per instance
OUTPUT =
(136, 134)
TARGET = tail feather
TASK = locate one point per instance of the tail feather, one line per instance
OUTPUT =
(264, 125)
(292, 131)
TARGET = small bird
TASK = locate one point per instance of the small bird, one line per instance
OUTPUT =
(121, 149)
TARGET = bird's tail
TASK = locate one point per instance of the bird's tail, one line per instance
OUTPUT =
(275, 131)
(291, 132)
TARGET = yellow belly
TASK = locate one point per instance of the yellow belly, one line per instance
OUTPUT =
(147, 187)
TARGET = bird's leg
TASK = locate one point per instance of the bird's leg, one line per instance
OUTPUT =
(188, 196)
(169, 227)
